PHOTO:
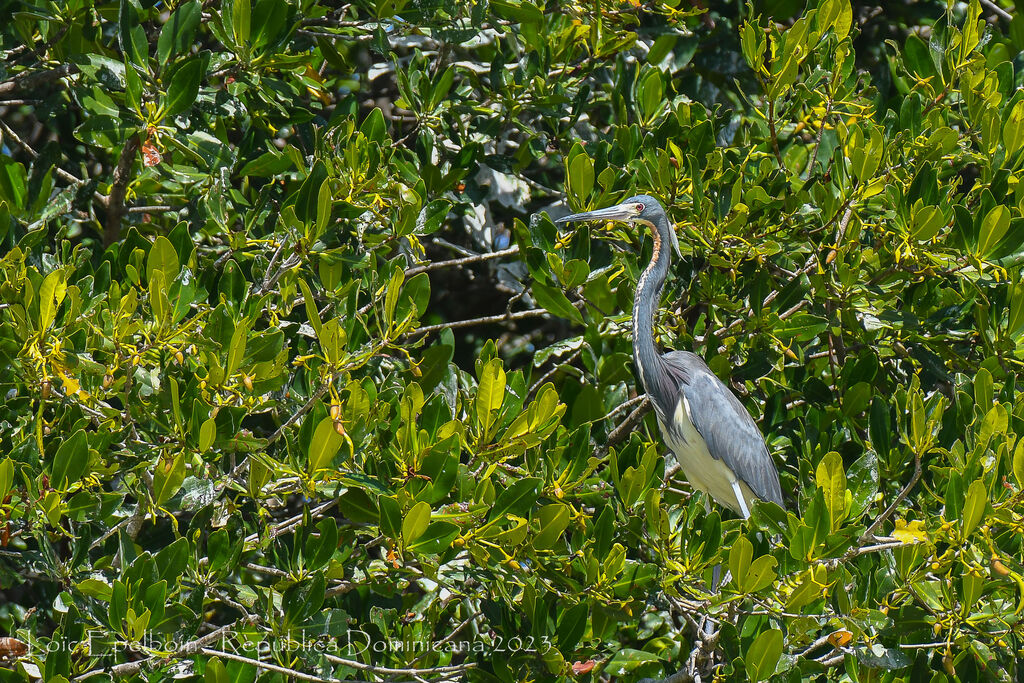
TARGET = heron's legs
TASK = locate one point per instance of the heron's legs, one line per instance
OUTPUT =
(739, 499)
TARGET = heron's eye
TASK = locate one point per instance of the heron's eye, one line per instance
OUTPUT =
(639, 208)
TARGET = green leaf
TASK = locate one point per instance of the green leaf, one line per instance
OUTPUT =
(236, 349)
(312, 314)
(1015, 317)
(740, 555)
(865, 151)
(168, 477)
(320, 548)
(554, 519)
(1013, 130)
(554, 301)
(651, 91)
(70, 461)
(158, 299)
(51, 295)
(207, 434)
(415, 522)
(332, 340)
(6, 476)
(131, 36)
(324, 204)
(12, 182)
(390, 516)
(571, 625)
(184, 86)
(579, 175)
(177, 34)
(432, 216)
(974, 506)
(391, 297)
(324, 445)
(831, 479)
(516, 499)
(436, 539)
(862, 482)
(108, 132)
(1018, 463)
(927, 223)
(763, 655)
(241, 17)
(163, 257)
(993, 227)
(760, 574)
(801, 326)
(490, 395)
(918, 57)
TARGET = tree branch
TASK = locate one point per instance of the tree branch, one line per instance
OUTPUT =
(115, 200)
(34, 79)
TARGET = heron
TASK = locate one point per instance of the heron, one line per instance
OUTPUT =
(713, 437)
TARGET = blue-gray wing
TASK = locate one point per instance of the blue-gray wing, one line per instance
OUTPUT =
(728, 429)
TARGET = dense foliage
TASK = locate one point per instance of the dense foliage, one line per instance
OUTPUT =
(299, 379)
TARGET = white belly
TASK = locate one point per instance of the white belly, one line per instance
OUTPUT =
(702, 470)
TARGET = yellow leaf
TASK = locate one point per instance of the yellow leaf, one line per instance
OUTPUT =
(910, 532)
(72, 387)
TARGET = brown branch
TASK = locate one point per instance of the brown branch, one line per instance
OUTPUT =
(115, 200)
(34, 79)
(626, 426)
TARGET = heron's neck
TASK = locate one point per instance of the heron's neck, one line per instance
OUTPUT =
(645, 302)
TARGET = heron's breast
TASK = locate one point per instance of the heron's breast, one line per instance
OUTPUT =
(702, 470)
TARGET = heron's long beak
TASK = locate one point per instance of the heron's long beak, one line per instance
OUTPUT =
(619, 212)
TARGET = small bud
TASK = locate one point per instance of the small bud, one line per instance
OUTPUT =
(335, 411)
(179, 357)
(947, 664)
(339, 427)
(108, 379)
(44, 389)
(247, 381)
(998, 567)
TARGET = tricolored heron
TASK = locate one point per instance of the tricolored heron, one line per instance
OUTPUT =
(718, 445)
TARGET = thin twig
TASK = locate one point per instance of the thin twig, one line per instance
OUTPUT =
(149, 209)
(477, 258)
(64, 175)
(619, 433)
(1003, 14)
(899, 499)
(400, 672)
(301, 411)
(504, 317)
(34, 79)
(186, 650)
(266, 666)
(290, 523)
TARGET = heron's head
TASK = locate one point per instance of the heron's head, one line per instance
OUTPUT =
(643, 209)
